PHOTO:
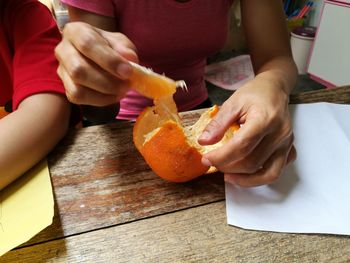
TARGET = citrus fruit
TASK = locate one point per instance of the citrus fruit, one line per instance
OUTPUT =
(172, 151)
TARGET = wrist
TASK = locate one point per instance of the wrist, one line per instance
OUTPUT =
(281, 72)
(277, 81)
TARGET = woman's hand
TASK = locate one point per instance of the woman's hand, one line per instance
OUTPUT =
(93, 64)
(263, 146)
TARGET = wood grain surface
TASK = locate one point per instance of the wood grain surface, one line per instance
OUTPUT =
(100, 179)
(335, 95)
(199, 234)
(110, 207)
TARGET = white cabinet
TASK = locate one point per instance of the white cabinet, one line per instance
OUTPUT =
(329, 62)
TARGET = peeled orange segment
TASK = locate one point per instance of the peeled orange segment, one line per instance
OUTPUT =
(172, 151)
(151, 84)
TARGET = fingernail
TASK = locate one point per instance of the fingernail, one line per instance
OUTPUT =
(124, 70)
(206, 162)
(204, 136)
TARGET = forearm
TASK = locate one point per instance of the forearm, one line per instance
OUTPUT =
(281, 71)
(29, 133)
(268, 41)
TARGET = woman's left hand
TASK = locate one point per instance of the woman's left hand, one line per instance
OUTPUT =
(263, 146)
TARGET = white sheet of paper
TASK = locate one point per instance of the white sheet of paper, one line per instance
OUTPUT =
(313, 194)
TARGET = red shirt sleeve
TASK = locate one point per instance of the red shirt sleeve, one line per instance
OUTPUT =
(34, 38)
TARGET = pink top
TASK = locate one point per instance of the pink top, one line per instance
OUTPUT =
(172, 38)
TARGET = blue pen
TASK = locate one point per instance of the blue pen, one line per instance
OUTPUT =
(295, 13)
(286, 5)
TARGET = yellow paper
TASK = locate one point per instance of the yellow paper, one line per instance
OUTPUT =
(26, 207)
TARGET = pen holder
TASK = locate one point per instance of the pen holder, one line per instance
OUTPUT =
(301, 43)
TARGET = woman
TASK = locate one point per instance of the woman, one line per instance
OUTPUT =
(175, 38)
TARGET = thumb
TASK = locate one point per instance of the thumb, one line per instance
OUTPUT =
(217, 127)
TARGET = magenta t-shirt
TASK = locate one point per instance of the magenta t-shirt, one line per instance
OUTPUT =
(171, 37)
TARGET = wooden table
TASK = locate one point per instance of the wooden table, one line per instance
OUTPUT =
(109, 207)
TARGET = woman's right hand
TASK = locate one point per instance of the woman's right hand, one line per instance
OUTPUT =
(93, 64)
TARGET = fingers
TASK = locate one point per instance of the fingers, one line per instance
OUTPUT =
(93, 70)
(121, 44)
(261, 148)
(268, 174)
(241, 145)
(82, 95)
(84, 72)
(91, 44)
(217, 127)
(256, 159)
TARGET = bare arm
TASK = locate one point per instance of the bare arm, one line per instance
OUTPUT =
(30, 133)
(263, 146)
(268, 41)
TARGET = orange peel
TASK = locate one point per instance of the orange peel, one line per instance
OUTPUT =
(171, 150)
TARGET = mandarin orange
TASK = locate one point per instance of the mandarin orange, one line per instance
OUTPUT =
(171, 150)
